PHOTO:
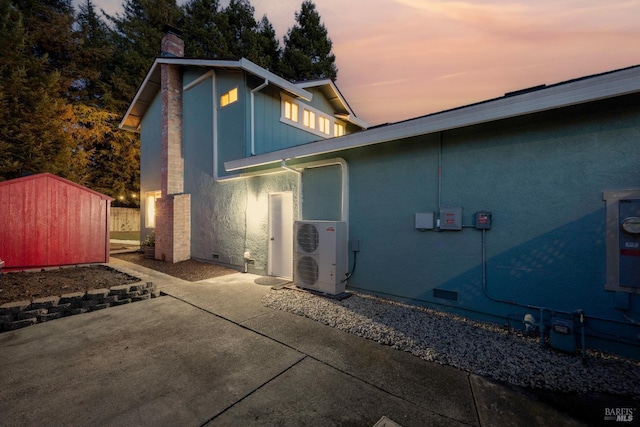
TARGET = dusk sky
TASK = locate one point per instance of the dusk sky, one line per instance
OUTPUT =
(399, 59)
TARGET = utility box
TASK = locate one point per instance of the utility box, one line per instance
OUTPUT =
(451, 218)
(424, 220)
(561, 336)
(629, 243)
(483, 220)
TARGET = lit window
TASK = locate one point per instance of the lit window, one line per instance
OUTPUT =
(338, 129)
(229, 97)
(150, 214)
(324, 124)
(309, 119)
(291, 111)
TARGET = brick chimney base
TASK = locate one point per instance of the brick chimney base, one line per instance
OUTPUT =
(173, 228)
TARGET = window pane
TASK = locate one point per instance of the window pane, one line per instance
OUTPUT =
(229, 97)
(287, 110)
(150, 208)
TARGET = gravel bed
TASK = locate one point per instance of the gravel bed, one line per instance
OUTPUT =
(480, 348)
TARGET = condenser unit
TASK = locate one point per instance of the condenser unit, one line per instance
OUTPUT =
(320, 262)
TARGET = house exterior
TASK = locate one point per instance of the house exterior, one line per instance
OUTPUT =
(519, 205)
(49, 221)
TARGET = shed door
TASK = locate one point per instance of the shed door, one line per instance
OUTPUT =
(281, 235)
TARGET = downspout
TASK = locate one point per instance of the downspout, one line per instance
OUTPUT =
(253, 115)
(214, 122)
(344, 202)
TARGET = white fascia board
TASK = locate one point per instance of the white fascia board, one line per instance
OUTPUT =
(136, 100)
(243, 64)
(257, 70)
(351, 116)
(246, 65)
(589, 89)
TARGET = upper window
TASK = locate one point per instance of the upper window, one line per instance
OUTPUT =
(296, 113)
(229, 97)
(309, 119)
(324, 125)
(291, 111)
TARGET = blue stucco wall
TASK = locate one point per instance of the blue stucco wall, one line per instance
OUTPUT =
(322, 193)
(541, 176)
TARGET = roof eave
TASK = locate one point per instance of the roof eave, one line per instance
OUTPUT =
(131, 121)
(562, 95)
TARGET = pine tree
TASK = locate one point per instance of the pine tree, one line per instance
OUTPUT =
(94, 58)
(269, 51)
(239, 30)
(200, 24)
(136, 40)
(108, 157)
(34, 117)
(50, 27)
(307, 48)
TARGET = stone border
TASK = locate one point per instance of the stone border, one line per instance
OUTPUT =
(19, 314)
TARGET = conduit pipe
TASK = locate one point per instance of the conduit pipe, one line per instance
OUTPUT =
(284, 166)
(344, 202)
(253, 115)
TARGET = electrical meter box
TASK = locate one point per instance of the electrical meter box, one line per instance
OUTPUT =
(629, 240)
(561, 336)
(451, 218)
(424, 220)
(483, 220)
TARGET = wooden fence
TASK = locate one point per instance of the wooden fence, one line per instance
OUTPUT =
(125, 219)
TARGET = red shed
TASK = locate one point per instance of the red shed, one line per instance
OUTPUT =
(49, 221)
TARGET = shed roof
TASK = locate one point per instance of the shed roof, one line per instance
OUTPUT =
(151, 85)
(47, 175)
(528, 101)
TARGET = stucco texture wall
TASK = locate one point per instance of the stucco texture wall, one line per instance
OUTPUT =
(231, 217)
(541, 176)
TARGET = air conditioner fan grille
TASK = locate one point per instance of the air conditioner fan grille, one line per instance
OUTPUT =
(307, 237)
(307, 270)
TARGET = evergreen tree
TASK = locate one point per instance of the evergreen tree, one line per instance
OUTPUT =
(239, 30)
(51, 37)
(200, 24)
(34, 117)
(229, 33)
(94, 58)
(136, 40)
(307, 48)
(269, 51)
(108, 157)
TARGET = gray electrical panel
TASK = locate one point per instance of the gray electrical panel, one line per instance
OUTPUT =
(629, 241)
(424, 220)
(451, 218)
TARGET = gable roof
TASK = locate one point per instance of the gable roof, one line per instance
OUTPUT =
(335, 98)
(49, 176)
(151, 86)
(541, 98)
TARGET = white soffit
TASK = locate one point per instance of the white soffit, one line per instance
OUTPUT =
(588, 89)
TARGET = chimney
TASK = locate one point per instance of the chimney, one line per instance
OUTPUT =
(172, 43)
(173, 220)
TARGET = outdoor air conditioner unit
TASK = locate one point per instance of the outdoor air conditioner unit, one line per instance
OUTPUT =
(320, 262)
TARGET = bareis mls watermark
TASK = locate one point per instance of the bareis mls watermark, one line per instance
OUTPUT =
(619, 414)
